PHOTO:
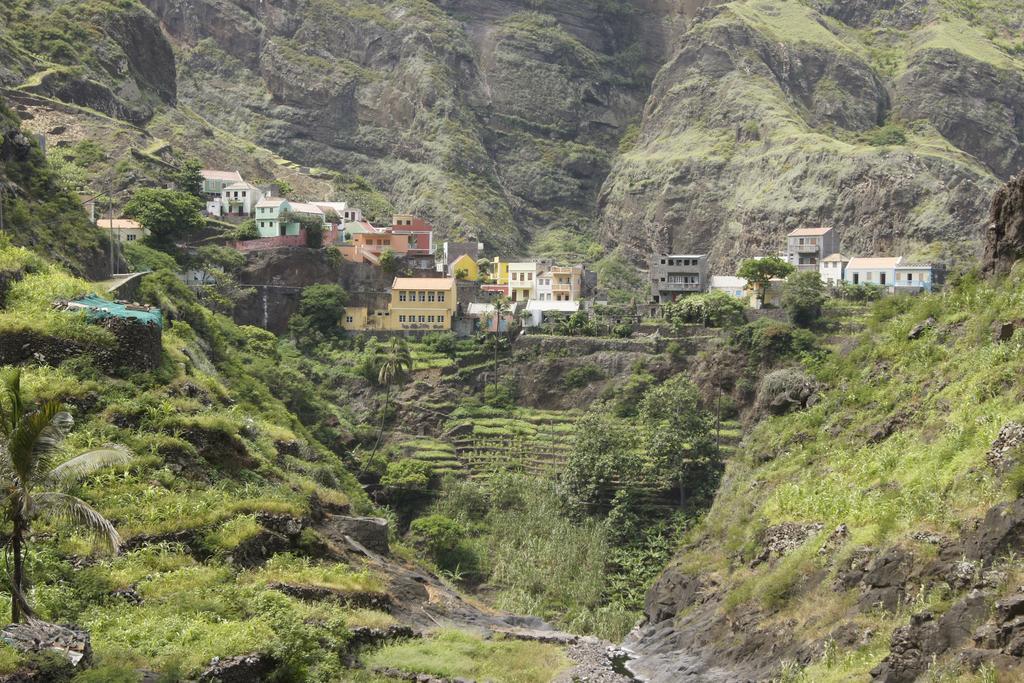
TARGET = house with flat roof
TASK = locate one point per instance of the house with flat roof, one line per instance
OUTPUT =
(418, 233)
(807, 247)
(676, 275)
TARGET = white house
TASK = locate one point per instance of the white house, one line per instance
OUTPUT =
(832, 269)
(735, 287)
(240, 199)
(538, 310)
(872, 271)
(122, 229)
(914, 277)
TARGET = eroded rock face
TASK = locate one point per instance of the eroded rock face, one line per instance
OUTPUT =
(1004, 239)
(715, 169)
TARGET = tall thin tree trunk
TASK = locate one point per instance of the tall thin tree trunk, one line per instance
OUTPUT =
(19, 571)
(383, 417)
(496, 340)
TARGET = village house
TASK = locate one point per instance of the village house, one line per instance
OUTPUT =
(540, 311)
(832, 269)
(419, 234)
(215, 181)
(466, 265)
(893, 273)
(122, 229)
(451, 252)
(807, 247)
(417, 305)
(239, 199)
(522, 280)
(676, 275)
(560, 283)
(735, 287)
(276, 216)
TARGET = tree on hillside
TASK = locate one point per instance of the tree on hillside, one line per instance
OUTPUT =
(484, 265)
(677, 437)
(169, 215)
(319, 313)
(803, 297)
(389, 262)
(759, 272)
(394, 364)
(188, 178)
(502, 307)
(30, 440)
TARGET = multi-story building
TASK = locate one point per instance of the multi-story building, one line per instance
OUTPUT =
(417, 305)
(676, 275)
(560, 283)
(239, 199)
(807, 247)
(522, 280)
(418, 233)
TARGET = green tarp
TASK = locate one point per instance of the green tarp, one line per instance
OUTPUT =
(98, 308)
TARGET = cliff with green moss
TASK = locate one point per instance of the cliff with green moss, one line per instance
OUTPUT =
(651, 125)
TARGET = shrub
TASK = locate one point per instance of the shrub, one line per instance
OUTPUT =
(767, 341)
(803, 297)
(581, 376)
(715, 309)
(406, 476)
(785, 381)
(439, 534)
(623, 331)
(501, 396)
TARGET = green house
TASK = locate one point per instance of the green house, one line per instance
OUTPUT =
(276, 216)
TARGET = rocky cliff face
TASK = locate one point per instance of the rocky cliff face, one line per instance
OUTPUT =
(1004, 239)
(493, 119)
(682, 124)
(871, 117)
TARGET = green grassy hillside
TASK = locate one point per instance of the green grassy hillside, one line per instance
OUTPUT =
(896, 450)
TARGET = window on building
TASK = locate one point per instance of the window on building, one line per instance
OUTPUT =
(440, 318)
(423, 296)
(529, 276)
(348, 319)
(423, 318)
(430, 318)
(401, 318)
(431, 297)
(401, 296)
(131, 238)
(440, 297)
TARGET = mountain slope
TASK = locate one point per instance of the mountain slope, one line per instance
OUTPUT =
(892, 121)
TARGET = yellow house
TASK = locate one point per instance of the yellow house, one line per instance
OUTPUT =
(417, 304)
(466, 263)
(499, 271)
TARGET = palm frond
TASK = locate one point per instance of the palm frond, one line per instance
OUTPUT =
(11, 405)
(89, 462)
(49, 440)
(34, 435)
(62, 507)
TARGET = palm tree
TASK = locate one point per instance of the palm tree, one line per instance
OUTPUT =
(392, 364)
(502, 306)
(29, 442)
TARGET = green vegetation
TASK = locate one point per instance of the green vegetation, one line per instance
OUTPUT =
(169, 215)
(318, 317)
(460, 654)
(803, 297)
